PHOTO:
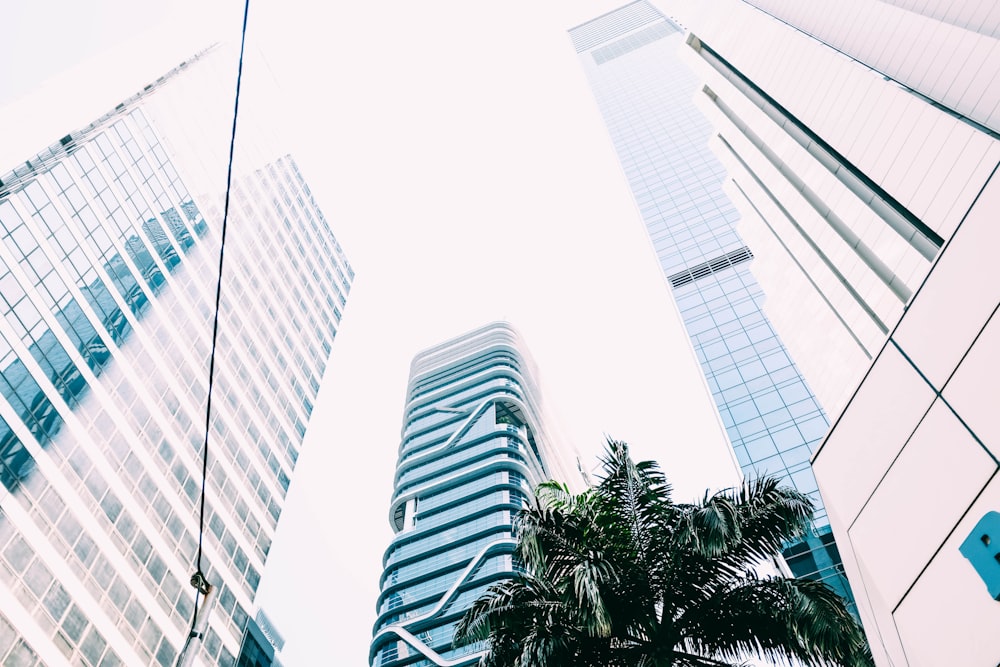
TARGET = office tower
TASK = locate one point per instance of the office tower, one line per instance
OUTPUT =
(645, 94)
(909, 470)
(108, 262)
(862, 140)
(261, 643)
(853, 152)
(473, 446)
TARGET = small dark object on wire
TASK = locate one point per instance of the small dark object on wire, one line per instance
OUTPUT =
(198, 580)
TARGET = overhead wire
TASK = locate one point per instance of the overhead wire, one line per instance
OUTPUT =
(198, 579)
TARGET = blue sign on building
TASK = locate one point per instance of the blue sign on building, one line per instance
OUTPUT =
(982, 549)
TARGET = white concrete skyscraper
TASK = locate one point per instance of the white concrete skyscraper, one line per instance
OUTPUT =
(853, 153)
(109, 251)
(862, 139)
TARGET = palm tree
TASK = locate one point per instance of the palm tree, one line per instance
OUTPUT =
(622, 576)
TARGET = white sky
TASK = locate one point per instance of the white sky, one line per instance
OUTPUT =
(457, 151)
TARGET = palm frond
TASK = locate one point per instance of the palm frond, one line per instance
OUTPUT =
(711, 528)
(589, 578)
(621, 576)
(505, 597)
(776, 618)
(749, 524)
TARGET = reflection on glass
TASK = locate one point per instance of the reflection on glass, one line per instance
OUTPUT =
(35, 408)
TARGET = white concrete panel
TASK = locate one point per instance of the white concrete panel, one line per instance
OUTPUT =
(863, 443)
(903, 145)
(880, 626)
(927, 166)
(949, 618)
(974, 391)
(938, 327)
(853, 27)
(884, 105)
(891, 134)
(964, 184)
(935, 478)
(935, 211)
(975, 51)
(838, 90)
(917, 58)
(979, 15)
(879, 52)
(986, 95)
(993, 120)
(937, 48)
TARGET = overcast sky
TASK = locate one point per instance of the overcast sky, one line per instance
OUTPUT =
(457, 151)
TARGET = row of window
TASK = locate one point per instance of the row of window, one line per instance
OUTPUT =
(463, 452)
(140, 550)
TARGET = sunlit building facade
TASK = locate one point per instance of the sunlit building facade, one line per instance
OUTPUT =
(108, 261)
(473, 446)
(862, 141)
(852, 155)
(645, 94)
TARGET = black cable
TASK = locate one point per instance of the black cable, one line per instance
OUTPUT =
(198, 579)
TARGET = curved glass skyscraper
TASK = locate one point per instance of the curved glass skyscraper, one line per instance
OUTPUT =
(473, 446)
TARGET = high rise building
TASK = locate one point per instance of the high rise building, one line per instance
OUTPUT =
(473, 447)
(909, 469)
(645, 94)
(863, 148)
(261, 643)
(852, 154)
(108, 261)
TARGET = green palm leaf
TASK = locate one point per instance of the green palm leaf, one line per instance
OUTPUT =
(621, 576)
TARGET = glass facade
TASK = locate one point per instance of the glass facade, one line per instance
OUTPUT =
(107, 285)
(645, 94)
(473, 448)
(257, 649)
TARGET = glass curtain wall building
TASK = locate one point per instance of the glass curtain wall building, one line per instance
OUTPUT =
(108, 262)
(261, 643)
(645, 94)
(473, 447)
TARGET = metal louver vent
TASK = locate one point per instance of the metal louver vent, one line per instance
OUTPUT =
(714, 265)
(613, 24)
(630, 43)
